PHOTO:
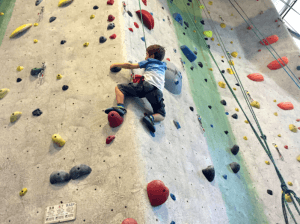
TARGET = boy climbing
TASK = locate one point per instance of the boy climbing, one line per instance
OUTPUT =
(150, 86)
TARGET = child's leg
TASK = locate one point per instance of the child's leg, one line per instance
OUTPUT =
(119, 95)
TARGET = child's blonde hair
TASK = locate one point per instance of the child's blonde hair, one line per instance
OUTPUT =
(156, 50)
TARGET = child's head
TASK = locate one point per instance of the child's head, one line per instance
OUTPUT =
(156, 52)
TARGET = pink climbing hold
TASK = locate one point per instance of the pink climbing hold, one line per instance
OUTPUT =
(286, 106)
(148, 19)
(111, 18)
(271, 39)
(130, 29)
(136, 25)
(145, 2)
(274, 65)
(158, 193)
(109, 139)
(113, 36)
(110, 2)
(129, 221)
(256, 77)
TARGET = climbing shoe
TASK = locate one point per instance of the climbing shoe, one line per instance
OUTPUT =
(120, 111)
(150, 124)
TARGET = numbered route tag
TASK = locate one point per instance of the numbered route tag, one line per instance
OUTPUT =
(60, 213)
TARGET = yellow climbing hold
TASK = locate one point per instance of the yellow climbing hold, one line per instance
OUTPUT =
(246, 121)
(222, 84)
(208, 12)
(223, 25)
(276, 114)
(210, 69)
(208, 33)
(279, 135)
(239, 57)
(288, 198)
(23, 192)
(231, 14)
(234, 54)
(234, 88)
(267, 162)
(58, 140)
(255, 104)
(231, 42)
(298, 158)
(229, 70)
(245, 138)
(35, 24)
(201, 6)
(210, 2)
(3, 92)
(194, 31)
(86, 44)
(237, 109)
(15, 116)
(35, 40)
(231, 62)
(274, 101)
(293, 128)
(220, 45)
(231, 28)
(290, 183)
(59, 76)
(64, 2)
(20, 68)
(1, 13)
(92, 16)
(212, 39)
(195, 21)
(20, 29)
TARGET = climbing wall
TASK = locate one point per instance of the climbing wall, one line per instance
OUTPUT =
(204, 163)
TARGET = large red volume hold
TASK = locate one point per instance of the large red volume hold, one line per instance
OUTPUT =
(158, 193)
(286, 106)
(256, 77)
(271, 39)
(129, 221)
(274, 65)
(114, 119)
(148, 19)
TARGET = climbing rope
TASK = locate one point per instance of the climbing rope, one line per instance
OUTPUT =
(263, 41)
(142, 23)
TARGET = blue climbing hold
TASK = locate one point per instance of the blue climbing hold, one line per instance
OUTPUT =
(163, 19)
(225, 176)
(143, 39)
(188, 53)
(176, 124)
(178, 18)
(226, 113)
(298, 67)
(172, 222)
(151, 13)
(211, 125)
(174, 50)
(173, 197)
(196, 49)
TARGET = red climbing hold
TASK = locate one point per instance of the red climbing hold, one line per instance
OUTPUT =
(111, 18)
(145, 2)
(298, 120)
(256, 77)
(249, 27)
(136, 25)
(274, 65)
(130, 29)
(259, 50)
(158, 193)
(129, 221)
(147, 18)
(114, 119)
(113, 36)
(286, 106)
(276, 21)
(271, 39)
(109, 139)
(286, 147)
(168, 59)
(110, 2)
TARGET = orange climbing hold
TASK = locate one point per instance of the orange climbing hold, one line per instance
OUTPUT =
(147, 18)
(256, 77)
(271, 39)
(274, 65)
(286, 106)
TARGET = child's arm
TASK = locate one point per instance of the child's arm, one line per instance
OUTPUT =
(125, 65)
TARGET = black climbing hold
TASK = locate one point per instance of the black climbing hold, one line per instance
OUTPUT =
(173, 197)
(37, 112)
(270, 192)
(223, 71)
(190, 0)
(235, 149)
(65, 87)
(185, 28)
(200, 64)
(19, 79)
(37, 2)
(102, 39)
(192, 108)
(192, 68)
(162, 7)
(174, 50)
(202, 21)
(237, 84)
(205, 38)
(52, 19)
(35, 71)
(188, 4)
(208, 46)
(223, 102)
(209, 173)
(235, 167)
(195, 52)
(298, 67)
(63, 41)
(115, 69)
(79, 170)
(209, 107)
(59, 176)
(111, 26)
(183, 33)
(186, 23)
(226, 132)
(235, 116)
(129, 13)
(205, 80)
(95, 7)
(222, 61)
